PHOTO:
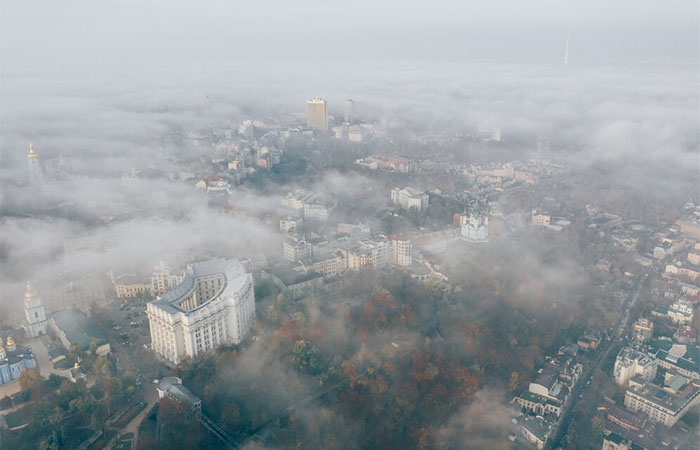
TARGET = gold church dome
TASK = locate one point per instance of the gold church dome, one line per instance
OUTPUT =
(30, 293)
(10, 342)
(32, 154)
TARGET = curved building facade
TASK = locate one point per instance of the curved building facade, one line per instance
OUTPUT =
(214, 305)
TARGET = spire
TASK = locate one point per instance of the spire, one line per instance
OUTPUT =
(30, 293)
(32, 154)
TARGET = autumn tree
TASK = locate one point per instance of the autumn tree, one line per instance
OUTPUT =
(30, 380)
(305, 356)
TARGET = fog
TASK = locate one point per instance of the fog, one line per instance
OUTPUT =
(91, 38)
(639, 120)
(102, 89)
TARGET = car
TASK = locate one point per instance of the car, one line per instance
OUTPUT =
(155, 381)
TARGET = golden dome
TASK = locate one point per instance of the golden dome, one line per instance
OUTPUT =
(76, 366)
(32, 154)
(30, 293)
(10, 342)
(2, 351)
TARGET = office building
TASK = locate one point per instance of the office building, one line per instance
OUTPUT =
(368, 254)
(163, 279)
(630, 363)
(316, 114)
(213, 305)
(540, 218)
(663, 404)
(643, 330)
(408, 198)
(401, 250)
(349, 115)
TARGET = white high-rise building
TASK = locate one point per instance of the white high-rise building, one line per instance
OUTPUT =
(35, 323)
(401, 250)
(163, 279)
(316, 114)
(374, 253)
(214, 305)
(630, 362)
(409, 198)
(349, 115)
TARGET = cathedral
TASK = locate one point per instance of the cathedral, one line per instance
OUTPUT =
(35, 323)
(13, 360)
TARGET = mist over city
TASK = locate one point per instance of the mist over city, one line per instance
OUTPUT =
(336, 225)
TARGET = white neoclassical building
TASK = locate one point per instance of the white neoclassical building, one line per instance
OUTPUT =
(214, 305)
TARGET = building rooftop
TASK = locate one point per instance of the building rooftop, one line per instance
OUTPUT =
(413, 191)
(686, 357)
(538, 426)
(174, 387)
(79, 329)
(289, 276)
(663, 398)
(231, 270)
(546, 378)
(529, 396)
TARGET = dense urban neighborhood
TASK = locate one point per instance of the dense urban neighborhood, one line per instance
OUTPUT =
(384, 289)
(333, 225)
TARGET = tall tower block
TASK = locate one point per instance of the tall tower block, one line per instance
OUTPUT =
(349, 111)
(317, 114)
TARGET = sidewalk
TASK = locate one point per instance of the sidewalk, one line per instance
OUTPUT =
(131, 427)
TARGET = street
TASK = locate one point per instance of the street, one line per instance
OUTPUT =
(583, 383)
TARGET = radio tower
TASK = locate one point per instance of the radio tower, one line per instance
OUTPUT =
(566, 50)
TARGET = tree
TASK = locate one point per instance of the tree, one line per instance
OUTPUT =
(305, 356)
(30, 380)
(5, 402)
(514, 383)
(230, 417)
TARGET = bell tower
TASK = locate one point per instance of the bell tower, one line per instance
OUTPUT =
(35, 173)
(35, 324)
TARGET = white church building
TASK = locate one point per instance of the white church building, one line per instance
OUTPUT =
(35, 322)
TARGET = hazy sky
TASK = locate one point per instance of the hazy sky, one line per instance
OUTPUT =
(93, 80)
(53, 37)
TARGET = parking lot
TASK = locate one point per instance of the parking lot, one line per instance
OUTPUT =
(129, 335)
(130, 324)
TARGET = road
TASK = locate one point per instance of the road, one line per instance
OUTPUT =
(583, 382)
(131, 355)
